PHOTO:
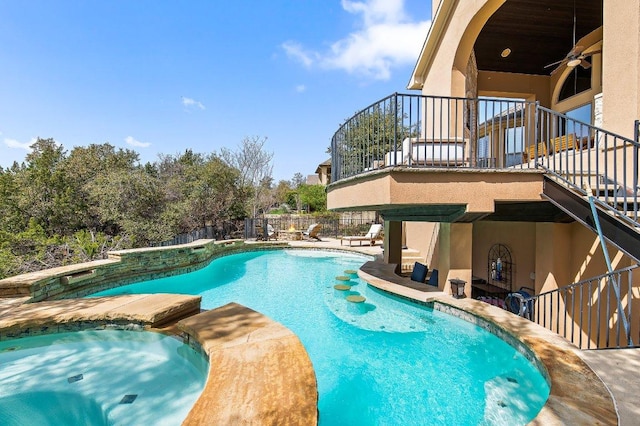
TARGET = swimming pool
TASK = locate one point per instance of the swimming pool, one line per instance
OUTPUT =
(98, 378)
(389, 362)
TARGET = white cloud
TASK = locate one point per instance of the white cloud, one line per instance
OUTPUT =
(133, 142)
(386, 38)
(295, 51)
(192, 103)
(12, 143)
(301, 88)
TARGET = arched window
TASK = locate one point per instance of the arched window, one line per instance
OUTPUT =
(577, 81)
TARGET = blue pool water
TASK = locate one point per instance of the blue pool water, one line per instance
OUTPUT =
(97, 378)
(388, 362)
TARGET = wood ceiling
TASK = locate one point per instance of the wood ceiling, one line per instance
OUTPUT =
(538, 32)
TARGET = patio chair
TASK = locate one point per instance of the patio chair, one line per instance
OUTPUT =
(371, 236)
(312, 232)
(271, 233)
(433, 278)
(419, 273)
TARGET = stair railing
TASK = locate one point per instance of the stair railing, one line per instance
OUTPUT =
(591, 161)
(587, 312)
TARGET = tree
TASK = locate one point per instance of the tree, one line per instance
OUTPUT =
(370, 134)
(297, 180)
(45, 196)
(217, 194)
(130, 203)
(254, 164)
(314, 197)
(85, 164)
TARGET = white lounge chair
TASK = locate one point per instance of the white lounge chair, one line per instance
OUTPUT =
(371, 236)
(416, 151)
(312, 232)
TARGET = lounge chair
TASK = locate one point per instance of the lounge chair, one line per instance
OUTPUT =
(271, 233)
(371, 236)
(312, 232)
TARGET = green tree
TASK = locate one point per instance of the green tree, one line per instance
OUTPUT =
(217, 194)
(369, 135)
(45, 195)
(83, 166)
(314, 197)
(129, 203)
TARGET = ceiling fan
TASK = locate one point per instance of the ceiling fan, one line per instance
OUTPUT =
(577, 55)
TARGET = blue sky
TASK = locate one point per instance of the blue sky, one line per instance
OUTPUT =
(163, 76)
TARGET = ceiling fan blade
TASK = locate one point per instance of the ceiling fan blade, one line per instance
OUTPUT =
(593, 52)
(585, 64)
(556, 69)
(555, 63)
(577, 50)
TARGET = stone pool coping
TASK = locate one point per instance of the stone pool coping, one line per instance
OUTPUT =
(57, 316)
(577, 395)
(278, 384)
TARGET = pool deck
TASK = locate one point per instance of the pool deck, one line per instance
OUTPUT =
(588, 387)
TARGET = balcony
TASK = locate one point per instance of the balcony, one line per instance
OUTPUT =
(447, 159)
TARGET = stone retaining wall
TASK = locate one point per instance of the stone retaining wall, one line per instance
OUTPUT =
(122, 267)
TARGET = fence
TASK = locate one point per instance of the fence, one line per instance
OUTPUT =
(224, 231)
(588, 313)
(331, 227)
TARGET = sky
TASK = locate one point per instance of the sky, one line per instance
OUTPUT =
(161, 77)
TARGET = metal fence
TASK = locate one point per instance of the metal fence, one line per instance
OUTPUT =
(589, 313)
(224, 231)
(591, 161)
(331, 226)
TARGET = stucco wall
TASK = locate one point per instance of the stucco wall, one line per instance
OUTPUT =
(422, 236)
(621, 66)
(519, 237)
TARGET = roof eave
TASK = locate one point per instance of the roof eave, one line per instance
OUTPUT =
(430, 46)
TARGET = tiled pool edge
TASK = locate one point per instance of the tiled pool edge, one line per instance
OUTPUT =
(577, 395)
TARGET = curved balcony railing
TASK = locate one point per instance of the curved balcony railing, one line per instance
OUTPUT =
(443, 132)
(434, 131)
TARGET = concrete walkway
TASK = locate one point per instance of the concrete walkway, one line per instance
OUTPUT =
(619, 369)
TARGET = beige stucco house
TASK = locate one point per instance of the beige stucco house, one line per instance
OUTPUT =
(323, 171)
(518, 148)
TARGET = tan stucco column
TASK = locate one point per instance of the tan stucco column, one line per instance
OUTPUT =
(392, 242)
(455, 255)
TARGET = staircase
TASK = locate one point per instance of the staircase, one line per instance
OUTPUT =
(598, 186)
(409, 258)
(602, 170)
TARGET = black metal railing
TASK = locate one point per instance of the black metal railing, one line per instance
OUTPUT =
(591, 161)
(226, 230)
(433, 131)
(330, 226)
(587, 313)
(437, 131)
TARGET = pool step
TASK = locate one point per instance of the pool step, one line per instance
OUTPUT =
(409, 257)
